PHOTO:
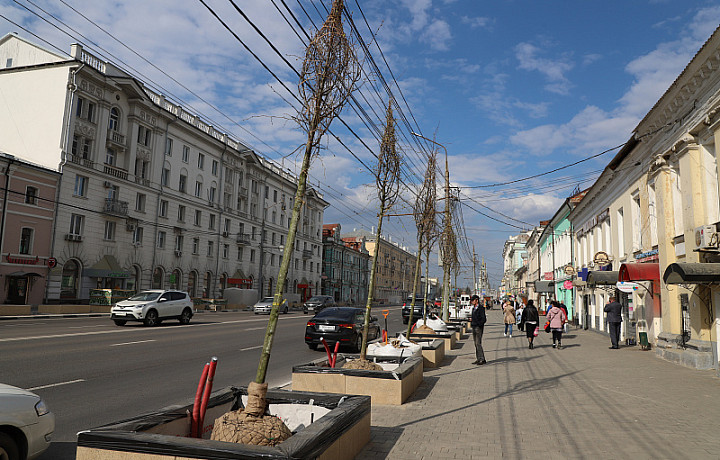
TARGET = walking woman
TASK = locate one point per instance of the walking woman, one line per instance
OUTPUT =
(557, 318)
(509, 320)
(530, 319)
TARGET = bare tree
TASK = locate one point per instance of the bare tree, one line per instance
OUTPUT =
(424, 214)
(329, 74)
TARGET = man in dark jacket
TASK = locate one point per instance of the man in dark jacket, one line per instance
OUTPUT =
(614, 318)
(477, 322)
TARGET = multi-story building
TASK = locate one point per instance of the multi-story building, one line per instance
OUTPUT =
(395, 269)
(28, 206)
(514, 261)
(151, 196)
(346, 267)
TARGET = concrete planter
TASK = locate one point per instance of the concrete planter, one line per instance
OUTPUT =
(388, 387)
(339, 434)
(448, 337)
(433, 353)
(463, 324)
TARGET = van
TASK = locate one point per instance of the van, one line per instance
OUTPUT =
(465, 300)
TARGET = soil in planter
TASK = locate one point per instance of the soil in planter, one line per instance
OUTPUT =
(424, 330)
(363, 364)
(251, 425)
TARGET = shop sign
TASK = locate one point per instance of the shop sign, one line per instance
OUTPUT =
(548, 276)
(647, 256)
(587, 226)
(601, 258)
(570, 270)
(239, 281)
(52, 262)
(22, 260)
(568, 284)
(627, 286)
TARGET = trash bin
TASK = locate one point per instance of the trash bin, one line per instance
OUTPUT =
(642, 330)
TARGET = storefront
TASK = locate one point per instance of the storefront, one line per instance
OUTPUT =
(544, 290)
(107, 273)
(601, 286)
(19, 284)
(645, 300)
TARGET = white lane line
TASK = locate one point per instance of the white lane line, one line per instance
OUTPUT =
(251, 348)
(255, 329)
(14, 324)
(86, 327)
(131, 343)
(55, 384)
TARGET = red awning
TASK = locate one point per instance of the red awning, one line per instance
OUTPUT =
(639, 272)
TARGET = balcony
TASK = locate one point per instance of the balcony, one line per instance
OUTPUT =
(142, 181)
(306, 254)
(243, 239)
(116, 207)
(116, 139)
(115, 171)
(78, 160)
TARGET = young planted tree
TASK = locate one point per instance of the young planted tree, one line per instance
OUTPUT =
(426, 224)
(329, 74)
(449, 255)
(387, 180)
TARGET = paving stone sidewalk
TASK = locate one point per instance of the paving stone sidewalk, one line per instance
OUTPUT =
(582, 402)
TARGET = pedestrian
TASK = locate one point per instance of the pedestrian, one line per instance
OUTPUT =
(614, 319)
(530, 318)
(518, 316)
(509, 318)
(557, 318)
(477, 322)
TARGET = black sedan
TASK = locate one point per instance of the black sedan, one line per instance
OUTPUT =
(340, 324)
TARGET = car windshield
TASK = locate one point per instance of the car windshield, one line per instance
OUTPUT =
(267, 299)
(316, 299)
(145, 296)
(337, 313)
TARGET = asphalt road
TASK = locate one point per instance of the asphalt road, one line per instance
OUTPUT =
(91, 372)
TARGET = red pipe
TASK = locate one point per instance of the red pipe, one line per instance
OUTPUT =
(334, 358)
(327, 350)
(206, 395)
(198, 399)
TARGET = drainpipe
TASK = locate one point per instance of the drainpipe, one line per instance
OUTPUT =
(157, 202)
(220, 216)
(72, 88)
(10, 159)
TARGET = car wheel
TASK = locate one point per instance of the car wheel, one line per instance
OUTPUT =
(185, 317)
(118, 322)
(405, 320)
(312, 346)
(304, 312)
(358, 343)
(285, 311)
(151, 318)
(8, 448)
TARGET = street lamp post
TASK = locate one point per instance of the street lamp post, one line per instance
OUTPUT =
(446, 268)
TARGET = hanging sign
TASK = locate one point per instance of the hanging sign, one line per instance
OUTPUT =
(568, 284)
(627, 287)
(570, 270)
(601, 258)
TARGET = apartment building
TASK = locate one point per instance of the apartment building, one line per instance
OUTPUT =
(346, 267)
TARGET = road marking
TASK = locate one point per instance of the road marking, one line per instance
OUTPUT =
(86, 327)
(55, 384)
(13, 324)
(255, 329)
(251, 348)
(131, 343)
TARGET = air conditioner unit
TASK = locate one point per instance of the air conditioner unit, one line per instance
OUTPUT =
(706, 237)
(73, 237)
(178, 253)
(130, 227)
(225, 234)
(107, 184)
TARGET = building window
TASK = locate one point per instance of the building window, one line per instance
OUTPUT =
(636, 226)
(31, 195)
(76, 224)
(198, 217)
(110, 157)
(165, 177)
(144, 135)
(26, 239)
(198, 189)
(85, 109)
(210, 246)
(186, 154)
(138, 236)
(226, 251)
(178, 242)
(211, 224)
(211, 195)
(182, 184)
(226, 228)
(114, 121)
(161, 239)
(81, 146)
(620, 234)
(652, 213)
(109, 231)
(201, 161)
(140, 202)
(181, 213)
(81, 184)
(168, 146)
(142, 168)
(214, 168)
(252, 255)
(196, 245)
(163, 208)
(240, 253)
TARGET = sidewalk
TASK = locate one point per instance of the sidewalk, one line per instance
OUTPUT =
(584, 401)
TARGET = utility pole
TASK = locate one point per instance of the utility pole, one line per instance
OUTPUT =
(475, 280)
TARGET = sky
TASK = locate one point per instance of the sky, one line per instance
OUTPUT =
(509, 88)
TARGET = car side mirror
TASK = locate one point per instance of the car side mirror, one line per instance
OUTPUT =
(162, 299)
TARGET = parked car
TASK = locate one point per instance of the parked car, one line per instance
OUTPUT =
(26, 424)
(153, 306)
(265, 304)
(340, 324)
(317, 303)
(417, 310)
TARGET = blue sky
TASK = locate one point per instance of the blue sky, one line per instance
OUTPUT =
(511, 88)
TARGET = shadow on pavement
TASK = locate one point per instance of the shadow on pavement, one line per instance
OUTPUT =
(382, 440)
(59, 451)
(424, 389)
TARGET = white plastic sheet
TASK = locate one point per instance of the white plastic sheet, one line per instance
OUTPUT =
(406, 348)
(436, 324)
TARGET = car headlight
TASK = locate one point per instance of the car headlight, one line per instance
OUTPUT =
(41, 408)
(139, 307)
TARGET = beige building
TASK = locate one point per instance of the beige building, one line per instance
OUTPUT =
(152, 196)
(395, 268)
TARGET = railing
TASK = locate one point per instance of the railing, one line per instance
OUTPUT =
(117, 172)
(243, 239)
(116, 138)
(142, 181)
(306, 254)
(78, 160)
(116, 207)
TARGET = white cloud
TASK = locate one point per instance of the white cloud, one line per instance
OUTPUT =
(554, 70)
(476, 22)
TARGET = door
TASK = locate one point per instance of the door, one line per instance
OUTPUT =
(17, 290)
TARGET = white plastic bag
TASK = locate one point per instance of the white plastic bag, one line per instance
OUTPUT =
(436, 324)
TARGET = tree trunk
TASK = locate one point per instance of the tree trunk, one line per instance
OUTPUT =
(368, 305)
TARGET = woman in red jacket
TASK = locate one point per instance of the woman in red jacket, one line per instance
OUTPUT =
(557, 317)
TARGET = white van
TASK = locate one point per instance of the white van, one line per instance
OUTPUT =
(465, 300)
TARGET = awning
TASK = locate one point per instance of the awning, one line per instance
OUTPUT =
(639, 272)
(544, 286)
(577, 282)
(602, 277)
(107, 267)
(692, 273)
(22, 274)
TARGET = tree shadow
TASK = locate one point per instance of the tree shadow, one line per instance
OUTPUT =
(382, 440)
(424, 389)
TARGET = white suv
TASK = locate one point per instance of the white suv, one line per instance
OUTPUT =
(153, 306)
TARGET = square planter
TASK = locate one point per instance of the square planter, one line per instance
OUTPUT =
(387, 387)
(433, 353)
(457, 330)
(464, 324)
(340, 433)
(448, 337)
